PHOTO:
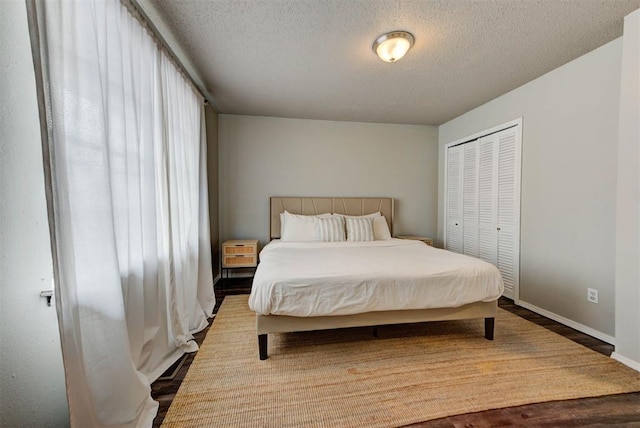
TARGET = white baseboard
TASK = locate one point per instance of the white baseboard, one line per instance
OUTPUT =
(569, 323)
(626, 361)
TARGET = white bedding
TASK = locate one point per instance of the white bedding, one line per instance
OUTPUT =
(306, 279)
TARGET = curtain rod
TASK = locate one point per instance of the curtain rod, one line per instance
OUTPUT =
(134, 6)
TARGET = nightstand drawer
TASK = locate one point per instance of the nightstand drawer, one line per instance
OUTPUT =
(240, 253)
(233, 250)
(239, 261)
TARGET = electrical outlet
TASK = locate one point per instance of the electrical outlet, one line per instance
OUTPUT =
(592, 295)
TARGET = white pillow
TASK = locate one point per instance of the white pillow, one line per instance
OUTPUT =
(359, 228)
(296, 227)
(380, 227)
(372, 215)
(330, 229)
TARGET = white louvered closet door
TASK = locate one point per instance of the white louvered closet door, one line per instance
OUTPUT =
(454, 199)
(508, 208)
(483, 189)
(487, 199)
(470, 199)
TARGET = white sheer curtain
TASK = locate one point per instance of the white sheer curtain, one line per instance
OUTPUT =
(128, 191)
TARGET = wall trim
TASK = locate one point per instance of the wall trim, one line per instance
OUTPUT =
(626, 361)
(569, 323)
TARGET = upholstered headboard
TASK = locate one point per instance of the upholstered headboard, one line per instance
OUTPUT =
(312, 206)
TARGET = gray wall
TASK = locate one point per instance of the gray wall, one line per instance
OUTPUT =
(568, 199)
(628, 208)
(32, 388)
(212, 172)
(262, 157)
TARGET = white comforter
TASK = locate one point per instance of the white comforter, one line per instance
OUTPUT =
(307, 279)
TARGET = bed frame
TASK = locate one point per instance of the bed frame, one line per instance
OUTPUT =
(266, 324)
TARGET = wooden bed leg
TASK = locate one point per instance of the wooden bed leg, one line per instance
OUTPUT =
(262, 346)
(375, 331)
(489, 324)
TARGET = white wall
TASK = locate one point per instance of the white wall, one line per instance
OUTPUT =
(263, 156)
(568, 207)
(32, 388)
(628, 208)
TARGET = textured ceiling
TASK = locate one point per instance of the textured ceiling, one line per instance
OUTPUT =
(313, 58)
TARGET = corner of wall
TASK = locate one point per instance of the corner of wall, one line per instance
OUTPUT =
(627, 274)
(211, 118)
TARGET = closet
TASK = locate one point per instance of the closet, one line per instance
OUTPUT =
(482, 203)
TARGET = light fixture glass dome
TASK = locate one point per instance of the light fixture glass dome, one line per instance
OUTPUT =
(392, 46)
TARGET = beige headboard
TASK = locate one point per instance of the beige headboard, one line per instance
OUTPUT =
(312, 206)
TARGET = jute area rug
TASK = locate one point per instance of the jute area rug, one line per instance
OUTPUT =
(409, 374)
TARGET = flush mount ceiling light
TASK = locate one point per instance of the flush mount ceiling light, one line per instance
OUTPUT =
(392, 46)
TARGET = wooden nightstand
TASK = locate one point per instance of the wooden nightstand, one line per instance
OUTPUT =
(425, 239)
(239, 253)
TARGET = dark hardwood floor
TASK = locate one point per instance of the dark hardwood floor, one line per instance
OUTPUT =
(610, 410)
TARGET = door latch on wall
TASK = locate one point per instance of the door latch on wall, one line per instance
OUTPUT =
(48, 294)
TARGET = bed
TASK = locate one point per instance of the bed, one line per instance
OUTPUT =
(315, 285)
